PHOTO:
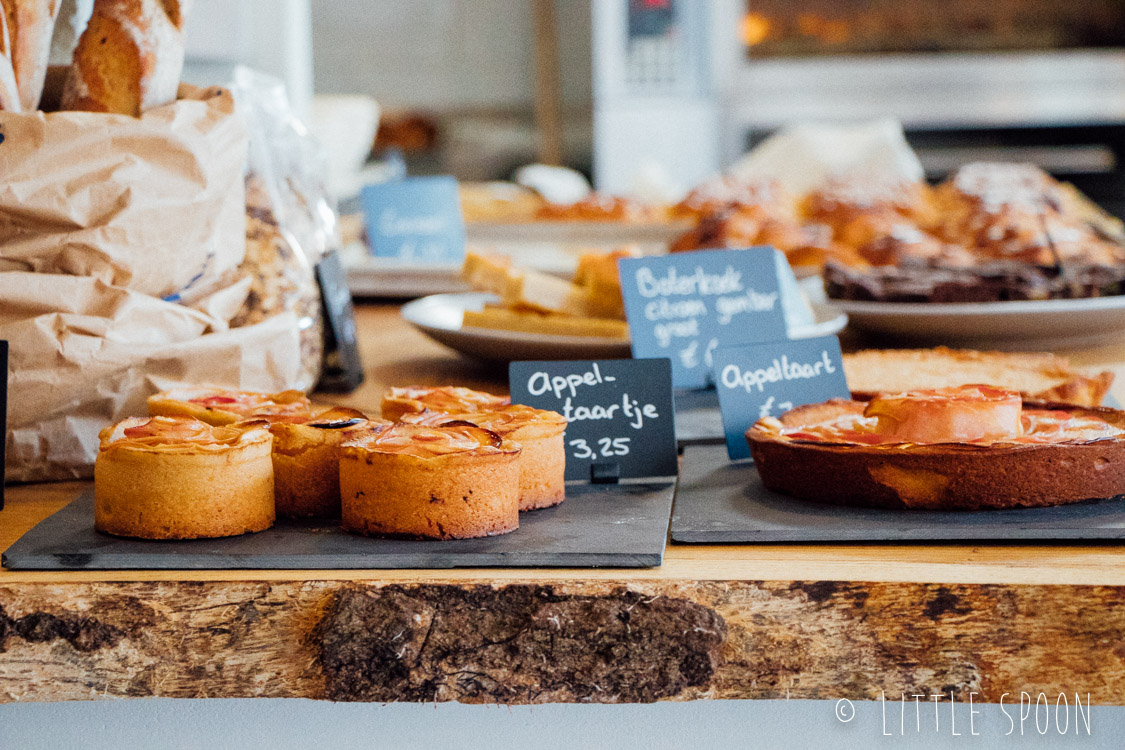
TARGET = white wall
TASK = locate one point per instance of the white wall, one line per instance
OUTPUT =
(444, 54)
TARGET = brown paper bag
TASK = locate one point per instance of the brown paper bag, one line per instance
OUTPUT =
(153, 204)
(85, 354)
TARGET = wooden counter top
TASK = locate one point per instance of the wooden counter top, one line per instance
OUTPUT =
(810, 621)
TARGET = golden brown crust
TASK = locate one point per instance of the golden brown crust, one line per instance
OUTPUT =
(128, 59)
(1035, 375)
(949, 476)
(9, 89)
(539, 433)
(306, 461)
(451, 496)
(174, 491)
(415, 399)
(206, 405)
(30, 27)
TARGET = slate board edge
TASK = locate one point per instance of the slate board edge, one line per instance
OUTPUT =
(413, 560)
(692, 536)
(1014, 532)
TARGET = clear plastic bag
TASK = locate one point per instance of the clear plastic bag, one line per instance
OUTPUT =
(290, 215)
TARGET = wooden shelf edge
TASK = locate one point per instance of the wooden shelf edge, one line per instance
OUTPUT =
(538, 642)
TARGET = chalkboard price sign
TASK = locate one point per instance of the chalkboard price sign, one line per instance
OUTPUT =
(342, 370)
(687, 305)
(766, 380)
(417, 220)
(620, 413)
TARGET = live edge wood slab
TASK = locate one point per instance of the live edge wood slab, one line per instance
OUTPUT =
(827, 621)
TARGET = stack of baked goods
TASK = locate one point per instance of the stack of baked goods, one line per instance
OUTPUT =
(988, 232)
(949, 430)
(733, 213)
(443, 463)
(128, 59)
(536, 302)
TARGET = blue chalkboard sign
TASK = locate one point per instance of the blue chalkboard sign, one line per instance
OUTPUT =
(417, 219)
(687, 305)
(621, 414)
(766, 380)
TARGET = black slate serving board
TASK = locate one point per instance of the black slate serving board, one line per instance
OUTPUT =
(623, 525)
(719, 502)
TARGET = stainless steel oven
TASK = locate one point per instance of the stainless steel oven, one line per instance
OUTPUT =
(1009, 80)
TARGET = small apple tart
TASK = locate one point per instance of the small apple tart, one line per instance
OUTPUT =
(415, 399)
(971, 447)
(219, 407)
(306, 461)
(179, 478)
(417, 482)
(540, 435)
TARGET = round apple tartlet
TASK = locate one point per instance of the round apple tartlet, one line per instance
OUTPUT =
(306, 461)
(540, 435)
(179, 478)
(419, 482)
(964, 448)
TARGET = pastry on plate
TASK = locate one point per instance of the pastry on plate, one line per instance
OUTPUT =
(764, 198)
(415, 399)
(1045, 377)
(417, 482)
(497, 317)
(179, 478)
(219, 406)
(306, 461)
(968, 448)
(598, 207)
(540, 435)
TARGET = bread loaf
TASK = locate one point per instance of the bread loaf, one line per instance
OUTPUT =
(9, 92)
(129, 58)
(31, 24)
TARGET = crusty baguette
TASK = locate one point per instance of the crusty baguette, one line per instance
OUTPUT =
(1040, 376)
(31, 24)
(129, 58)
(9, 91)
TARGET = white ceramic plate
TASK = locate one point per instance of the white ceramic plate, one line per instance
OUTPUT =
(1027, 325)
(439, 317)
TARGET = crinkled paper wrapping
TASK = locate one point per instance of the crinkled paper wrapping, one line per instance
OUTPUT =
(153, 204)
(85, 354)
(120, 242)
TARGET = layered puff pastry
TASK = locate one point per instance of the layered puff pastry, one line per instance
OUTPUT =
(178, 478)
(966, 448)
(413, 481)
(415, 399)
(306, 461)
(217, 406)
(538, 432)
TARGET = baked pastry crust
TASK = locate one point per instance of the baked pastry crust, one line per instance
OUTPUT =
(218, 406)
(538, 432)
(415, 399)
(306, 461)
(129, 58)
(1038, 376)
(178, 478)
(942, 476)
(418, 482)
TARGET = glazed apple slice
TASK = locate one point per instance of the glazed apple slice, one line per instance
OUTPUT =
(948, 415)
